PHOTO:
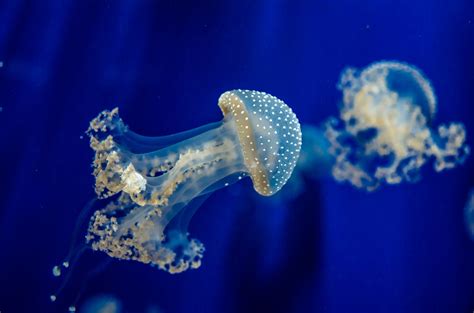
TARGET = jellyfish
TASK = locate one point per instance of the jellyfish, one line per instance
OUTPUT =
(109, 304)
(385, 132)
(469, 214)
(157, 183)
(102, 304)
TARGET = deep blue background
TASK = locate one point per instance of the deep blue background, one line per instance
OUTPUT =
(164, 63)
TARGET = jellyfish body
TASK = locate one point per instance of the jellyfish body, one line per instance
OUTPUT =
(384, 132)
(161, 181)
(469, 214)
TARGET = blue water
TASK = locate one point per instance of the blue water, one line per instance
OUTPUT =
(165, 63)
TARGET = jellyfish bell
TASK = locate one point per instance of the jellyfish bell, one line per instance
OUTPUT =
(384, 132)
(269, 135)
(161, 181)
(407, 81)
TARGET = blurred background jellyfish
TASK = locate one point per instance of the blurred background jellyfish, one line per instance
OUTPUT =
(101, 304)
(314, 163)
(469, 214)
(108, 304)
(161, 181)
(384, 133)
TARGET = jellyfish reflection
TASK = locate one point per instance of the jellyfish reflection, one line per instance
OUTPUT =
(161, 181)
(384, 132)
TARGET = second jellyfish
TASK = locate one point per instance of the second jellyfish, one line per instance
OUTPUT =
(384, 133)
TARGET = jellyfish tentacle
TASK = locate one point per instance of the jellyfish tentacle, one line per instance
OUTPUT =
(181, 221)
(451, 150)
(190, 164)
(108, 122)
(144, 241)
(140, 144)
(154, 216)
(116, 170)
(165, 157)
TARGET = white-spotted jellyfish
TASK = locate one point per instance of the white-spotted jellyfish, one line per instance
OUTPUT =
(161, 181)
(385, 133)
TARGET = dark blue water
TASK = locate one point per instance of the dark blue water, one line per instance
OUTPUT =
(165, 63)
